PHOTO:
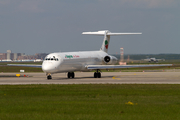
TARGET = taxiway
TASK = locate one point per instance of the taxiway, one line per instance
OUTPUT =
(87, 78)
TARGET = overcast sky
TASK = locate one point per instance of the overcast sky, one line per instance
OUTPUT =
(46, 26)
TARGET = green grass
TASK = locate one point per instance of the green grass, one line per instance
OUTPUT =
(17, 69)
(90, 102)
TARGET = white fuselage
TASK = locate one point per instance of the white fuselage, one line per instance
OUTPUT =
(72, 61)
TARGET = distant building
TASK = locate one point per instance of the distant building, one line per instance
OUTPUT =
(3, 56)
(21, 56)
(8, 54)
(15, 56)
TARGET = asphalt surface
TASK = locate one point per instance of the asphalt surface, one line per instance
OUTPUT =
(87, 78)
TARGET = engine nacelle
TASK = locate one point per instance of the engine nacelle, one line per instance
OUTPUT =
(110, 60)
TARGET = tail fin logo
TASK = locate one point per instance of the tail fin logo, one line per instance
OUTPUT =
(106, 44)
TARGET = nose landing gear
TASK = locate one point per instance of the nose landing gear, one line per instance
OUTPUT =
(49, 76)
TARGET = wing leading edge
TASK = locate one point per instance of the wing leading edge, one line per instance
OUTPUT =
(93, 67)
(25, 65)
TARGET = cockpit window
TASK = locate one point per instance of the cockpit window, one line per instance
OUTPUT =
(52, 59)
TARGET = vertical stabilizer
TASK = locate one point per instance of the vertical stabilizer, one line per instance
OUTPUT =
(107, 34)
(105, 44)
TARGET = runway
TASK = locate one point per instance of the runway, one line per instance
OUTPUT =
(87, 78)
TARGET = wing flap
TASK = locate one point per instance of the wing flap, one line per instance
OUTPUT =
(91, 67)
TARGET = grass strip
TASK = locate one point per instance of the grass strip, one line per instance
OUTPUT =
(90, 102)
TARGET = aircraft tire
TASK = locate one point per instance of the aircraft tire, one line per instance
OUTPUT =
(49, 77)
(95, 75)
(69, 75)
(99, 75)
(72, 75)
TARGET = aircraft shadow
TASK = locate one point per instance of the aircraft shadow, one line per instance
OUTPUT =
(79, 78)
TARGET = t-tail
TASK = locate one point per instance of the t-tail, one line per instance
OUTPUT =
(106, 34)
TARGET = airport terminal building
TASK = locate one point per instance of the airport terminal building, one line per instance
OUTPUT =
(9, 56)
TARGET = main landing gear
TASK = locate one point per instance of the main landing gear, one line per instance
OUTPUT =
(70, 75)
(97, 74)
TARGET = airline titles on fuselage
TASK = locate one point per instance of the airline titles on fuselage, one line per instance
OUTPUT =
(71, 56)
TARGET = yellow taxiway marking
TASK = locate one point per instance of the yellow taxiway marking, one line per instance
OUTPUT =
(115, 77)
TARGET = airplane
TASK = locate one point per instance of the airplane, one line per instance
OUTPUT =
(153, 60)
(69, 62)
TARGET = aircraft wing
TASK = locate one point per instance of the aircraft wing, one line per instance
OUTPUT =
(25, 65)
(91, 67)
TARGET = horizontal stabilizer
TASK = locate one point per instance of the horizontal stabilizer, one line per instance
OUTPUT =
(95, 67)
(94, 33)
(124, 33)
(107, 33)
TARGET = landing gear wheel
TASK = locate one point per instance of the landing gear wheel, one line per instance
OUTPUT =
(70, 75)
(49, 77)
(97, 75)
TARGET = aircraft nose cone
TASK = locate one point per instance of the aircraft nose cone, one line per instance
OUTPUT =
(47, 67)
